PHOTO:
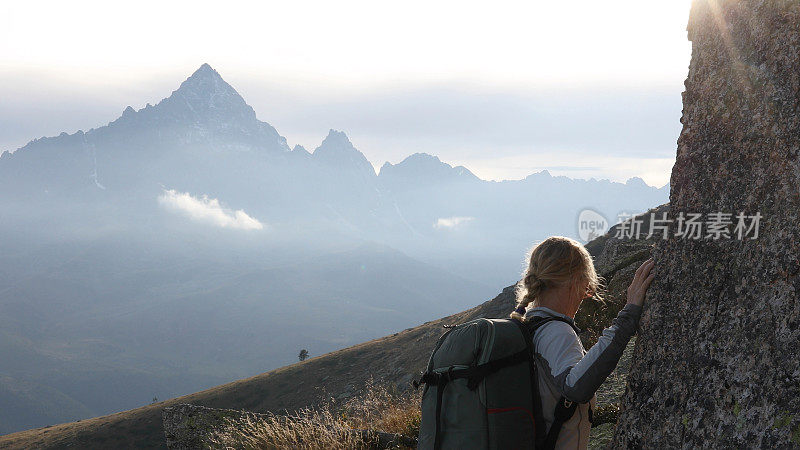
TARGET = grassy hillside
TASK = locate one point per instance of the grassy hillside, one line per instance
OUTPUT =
(340, 374)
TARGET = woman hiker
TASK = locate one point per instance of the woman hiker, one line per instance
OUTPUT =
(559, 276)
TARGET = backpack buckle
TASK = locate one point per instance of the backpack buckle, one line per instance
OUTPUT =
(429, 378)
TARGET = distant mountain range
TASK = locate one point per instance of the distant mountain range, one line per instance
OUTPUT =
(204, 139)
(185, 244)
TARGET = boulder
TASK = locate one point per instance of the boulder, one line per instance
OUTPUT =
(717, 361)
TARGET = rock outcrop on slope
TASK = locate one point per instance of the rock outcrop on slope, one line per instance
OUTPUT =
(717, 362)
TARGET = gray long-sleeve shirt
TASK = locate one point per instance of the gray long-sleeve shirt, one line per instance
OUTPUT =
(567, 369)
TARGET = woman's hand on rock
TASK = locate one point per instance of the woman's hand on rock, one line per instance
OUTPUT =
(641, 281)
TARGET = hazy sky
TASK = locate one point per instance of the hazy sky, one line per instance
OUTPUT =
(582, 88)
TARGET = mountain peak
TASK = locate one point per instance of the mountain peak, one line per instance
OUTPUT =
(336, 142)
(540, 175)
(205, 80)
(207, 108)
(205, 94)
(299, 150)
(337, 137)
(423, 158)
(337, 149)
(206, 67)
(205, 71)
(424, 168)
(636, 181)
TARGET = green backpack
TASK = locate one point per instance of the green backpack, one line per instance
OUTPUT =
(482, 389)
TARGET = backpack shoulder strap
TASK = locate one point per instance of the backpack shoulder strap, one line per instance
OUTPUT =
(538, 321)
(564, 408)
(563, 412)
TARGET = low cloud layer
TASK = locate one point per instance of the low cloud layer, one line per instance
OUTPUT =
(449, 223)
(207, 210)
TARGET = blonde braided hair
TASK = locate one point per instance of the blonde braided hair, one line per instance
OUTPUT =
(557, 261)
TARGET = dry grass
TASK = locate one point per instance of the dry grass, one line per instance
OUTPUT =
(329, 426)
(384, 409)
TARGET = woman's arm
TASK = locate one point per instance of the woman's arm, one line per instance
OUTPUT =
(578, 376)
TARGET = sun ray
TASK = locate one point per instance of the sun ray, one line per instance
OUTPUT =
(737, 64)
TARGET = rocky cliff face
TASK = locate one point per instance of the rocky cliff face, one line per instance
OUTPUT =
(717, 362)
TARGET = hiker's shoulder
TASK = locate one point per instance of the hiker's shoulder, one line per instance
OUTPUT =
(556, 330)
(542, 318)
